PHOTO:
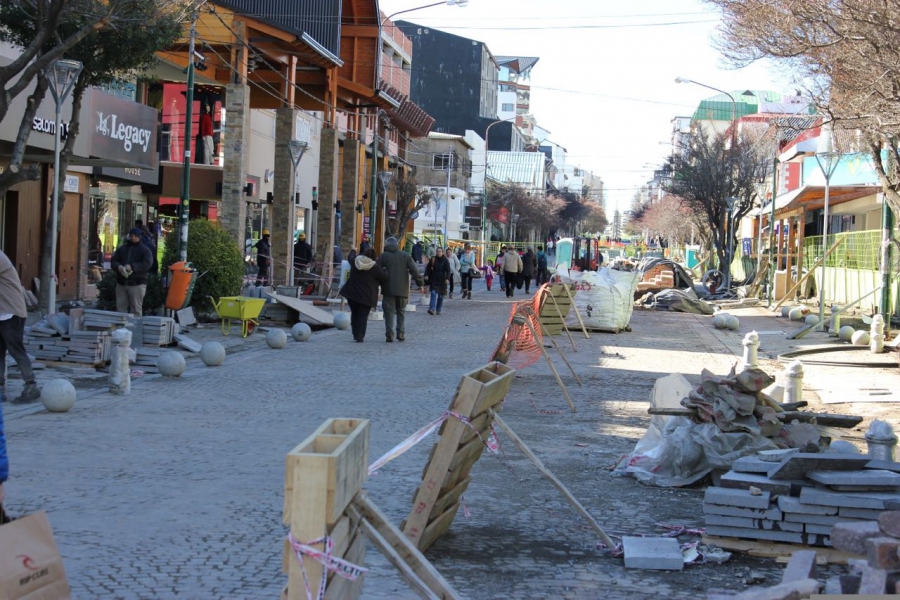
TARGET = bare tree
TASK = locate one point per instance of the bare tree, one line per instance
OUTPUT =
(670, 219)
(536, 212)
(410, 199)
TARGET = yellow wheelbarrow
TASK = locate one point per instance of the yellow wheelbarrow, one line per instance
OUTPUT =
(239, 307)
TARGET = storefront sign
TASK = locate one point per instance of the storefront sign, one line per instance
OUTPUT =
(122, 130)
(71, 184)
(135, 174)
(49, 126)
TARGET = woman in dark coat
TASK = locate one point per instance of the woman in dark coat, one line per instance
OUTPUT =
(529, 268)
(438, 275)
(361, 291)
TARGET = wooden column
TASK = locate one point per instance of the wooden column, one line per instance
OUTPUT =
(801, 220)
(790, 245)
(780, 244)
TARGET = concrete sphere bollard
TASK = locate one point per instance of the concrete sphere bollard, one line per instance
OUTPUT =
(845, 333)
(212, 354)
(718, 321)
(785, 311)
(860, 338)
(301, 332)
(842, 447)
(276, 338)
(796, 314)
(733, 323)
(58, 395)
(342, 320)
(170, 364)
(812, 319)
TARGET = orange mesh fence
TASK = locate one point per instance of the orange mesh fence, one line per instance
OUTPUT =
(518, 347)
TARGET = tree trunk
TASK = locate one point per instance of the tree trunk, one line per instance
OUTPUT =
(48, 269)
(14, 173)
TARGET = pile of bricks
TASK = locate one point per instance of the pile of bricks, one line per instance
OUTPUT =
(659, 277)
(794, 497)
(879, 542)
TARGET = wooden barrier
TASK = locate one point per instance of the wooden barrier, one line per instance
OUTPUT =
(446, 475)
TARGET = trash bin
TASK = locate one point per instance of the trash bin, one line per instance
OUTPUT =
(181, 285)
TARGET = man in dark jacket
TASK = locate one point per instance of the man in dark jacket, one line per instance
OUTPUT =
(263, 258)
(543, 273)
(417, 251)
(400, 267)
(361, 291)
(131, 263)
(438, 275)
(529, 266)
(302, 253)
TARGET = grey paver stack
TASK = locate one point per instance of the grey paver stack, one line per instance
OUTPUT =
(800, 498)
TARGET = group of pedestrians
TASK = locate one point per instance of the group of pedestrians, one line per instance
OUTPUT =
(520, 270)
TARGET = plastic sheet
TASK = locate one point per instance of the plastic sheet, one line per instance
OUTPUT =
(604, 298)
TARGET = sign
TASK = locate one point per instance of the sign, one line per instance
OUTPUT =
(135, 174)
(71, 184)
(473, 216)
(48, 126)
(434, 225)
(464, 227)
(121, 130)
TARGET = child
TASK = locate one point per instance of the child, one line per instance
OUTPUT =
(488, 273)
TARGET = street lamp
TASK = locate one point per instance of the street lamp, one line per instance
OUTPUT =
(62, 75)
(487, 134)
(459, 3)
(385, 177)
(729, 204)
(828, 160)
(297, 150)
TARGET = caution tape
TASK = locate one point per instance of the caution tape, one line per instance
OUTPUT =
(341, 567)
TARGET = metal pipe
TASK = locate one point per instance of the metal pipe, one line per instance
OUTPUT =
(184, 203)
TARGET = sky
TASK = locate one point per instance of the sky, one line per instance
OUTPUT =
(605, 83)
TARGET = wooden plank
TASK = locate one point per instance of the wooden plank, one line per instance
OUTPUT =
(463, 403)
(556, 482)
(449, 498)
(398, 549)
(340, 588)
(552, 366)
(468, 453)
(438, 527)
(495, 391)
(777, 549)
(480, 424)
(309, 509)
(800, 281)
(458, 474)
(308, 312)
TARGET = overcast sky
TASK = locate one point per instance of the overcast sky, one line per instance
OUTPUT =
(605, 83)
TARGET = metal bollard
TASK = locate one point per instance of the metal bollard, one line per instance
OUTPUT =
(793, 385)
(751, 347)
(876, 335)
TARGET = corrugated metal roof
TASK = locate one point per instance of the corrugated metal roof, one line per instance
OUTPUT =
(517, 64)
(718, 107)
(437, 135)
(526, 168)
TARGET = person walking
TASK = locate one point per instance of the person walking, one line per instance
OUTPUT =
(12, 333)
(466, 268)
(454, 267)
(147, 240)
(395, 291)
(303, 254)
(417, 252)
(263, 258)
(512, 265)
(529, 268)
(361, 291)
(499, 264)
(543, 273)
(131, 263)
(437, 275)
(488, 273)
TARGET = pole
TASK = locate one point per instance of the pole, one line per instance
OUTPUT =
(887, 228)
(377, 243)
(291, 280)
(184, 205)
(54, 209)
(824, 248)
(772, 256)
(447, 200)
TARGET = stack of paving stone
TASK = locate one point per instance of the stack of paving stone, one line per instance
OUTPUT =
(879, 542)
(104, 319)
(794, 497)
(157, 331)
(59, 338)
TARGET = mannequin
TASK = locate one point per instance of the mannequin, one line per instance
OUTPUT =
(206, 132)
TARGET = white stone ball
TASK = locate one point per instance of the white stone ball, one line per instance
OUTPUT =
(796, 314)
(212, 354)
(276, 338)
(860, 338)
(301, 332)
(842, 447)
(845, 333)
(58, 395)
(733, 323)
(812, 319)
(170, 363)
(342, 320)
(785, 311)
(718, 321)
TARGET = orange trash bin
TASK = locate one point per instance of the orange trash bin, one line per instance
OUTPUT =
(181, 285)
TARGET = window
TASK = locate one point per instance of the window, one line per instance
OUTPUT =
(507, 107)
(440, 162)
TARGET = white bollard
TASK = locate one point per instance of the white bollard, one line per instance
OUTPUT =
(119, 367)
(793, 384)
(835, 326)
(877, 335)
(881, 440)
(751, 347)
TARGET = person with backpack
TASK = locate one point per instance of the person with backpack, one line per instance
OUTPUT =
(498, 264)
(543, 273)
(529, 266)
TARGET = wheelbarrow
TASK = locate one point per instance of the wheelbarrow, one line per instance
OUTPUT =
(239, 307)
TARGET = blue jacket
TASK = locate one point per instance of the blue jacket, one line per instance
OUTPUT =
(4, 458)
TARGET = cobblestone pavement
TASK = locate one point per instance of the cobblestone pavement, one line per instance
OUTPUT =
(176, 490)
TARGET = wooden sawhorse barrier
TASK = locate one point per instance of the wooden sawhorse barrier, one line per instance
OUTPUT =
(330, 515)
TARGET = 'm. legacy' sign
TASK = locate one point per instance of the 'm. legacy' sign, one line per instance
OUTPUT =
(122, 130)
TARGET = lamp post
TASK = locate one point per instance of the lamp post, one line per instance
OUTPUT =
(828, 160)
(730, 150)
(385, 177)
(459, 3)
(447, 202)
(487, 133)
(297, 150)
(729, 204)
(62, 75)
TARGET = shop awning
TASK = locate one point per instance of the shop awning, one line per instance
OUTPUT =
(813, 197)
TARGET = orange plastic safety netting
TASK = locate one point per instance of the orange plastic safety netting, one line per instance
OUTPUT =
(518, 346)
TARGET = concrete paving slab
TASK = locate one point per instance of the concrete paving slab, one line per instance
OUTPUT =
(873, 500)
(751, 464)
(736, 497)
(773, 514)
(865, 514)
(747, 480)
(886, 465)
(789, 504)
(654, 553)
(798, 465)
(756, 534)
(866, 479)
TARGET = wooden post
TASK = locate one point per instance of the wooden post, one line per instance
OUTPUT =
(322, 476)
(808, 273)
(550, 362)
(780, 251)
(801, 226)
(577, 314)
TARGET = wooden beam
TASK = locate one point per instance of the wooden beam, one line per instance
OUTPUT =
(808, 273)
(289, 81)
(239, 56)
(358, 31)
(356, 88)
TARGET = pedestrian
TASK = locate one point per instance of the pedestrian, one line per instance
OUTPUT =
(438, 275)
(12, 332)
(499, 264)
(263, 258)
(4, 465)
(365, 245)
(550, 247)
(395, 291)
(488, 273)
(454, 267)
(429, 252)
(543, 273)
(131, 262)
(466, 268)
(303, 254)
(529, 268)
(417, 251)
(512, 265)
(361, 291)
